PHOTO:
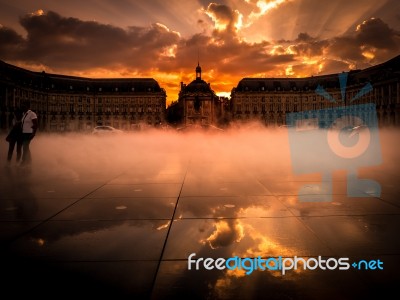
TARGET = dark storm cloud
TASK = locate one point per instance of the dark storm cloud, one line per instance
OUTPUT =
(304, 37)
(75, 44)
(371, 35)
(368, 43)
(69, 44)
(346, 48)
(221, 12)
(223, 15)
(11, 42)
(376, 33)
(227, 55)
(305, 45)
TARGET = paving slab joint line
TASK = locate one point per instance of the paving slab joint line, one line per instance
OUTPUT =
(167, 235)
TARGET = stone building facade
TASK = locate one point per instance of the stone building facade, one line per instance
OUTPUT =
(67, 103)
(269, 100)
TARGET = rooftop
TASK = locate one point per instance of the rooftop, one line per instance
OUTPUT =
(57, 82)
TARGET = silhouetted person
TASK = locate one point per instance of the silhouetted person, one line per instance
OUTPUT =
(15, 136)
(29, 127)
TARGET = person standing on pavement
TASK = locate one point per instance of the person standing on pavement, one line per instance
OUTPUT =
(15, 136)
(29, 128)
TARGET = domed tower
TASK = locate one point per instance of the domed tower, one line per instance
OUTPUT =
(197, 101)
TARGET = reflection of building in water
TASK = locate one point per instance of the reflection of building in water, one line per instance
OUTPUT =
(67, 103)
(197, 104)
(270, 99)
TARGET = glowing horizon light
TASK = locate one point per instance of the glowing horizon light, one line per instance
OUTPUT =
(289, 70)
(224, 94)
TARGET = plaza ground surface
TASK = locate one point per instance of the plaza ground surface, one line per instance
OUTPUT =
(118, 216)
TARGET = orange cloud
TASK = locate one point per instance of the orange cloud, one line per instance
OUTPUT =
(71, 46)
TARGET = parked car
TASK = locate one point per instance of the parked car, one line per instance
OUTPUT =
(105, 130)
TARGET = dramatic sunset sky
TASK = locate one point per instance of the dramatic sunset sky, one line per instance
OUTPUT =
(233, 38)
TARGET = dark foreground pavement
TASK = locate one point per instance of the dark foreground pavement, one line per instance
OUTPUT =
(126, 231)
